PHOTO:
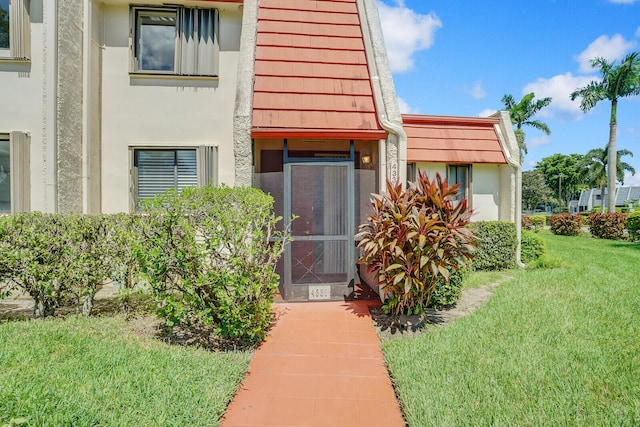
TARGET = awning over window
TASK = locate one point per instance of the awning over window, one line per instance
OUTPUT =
(453, 139)
(311, 73)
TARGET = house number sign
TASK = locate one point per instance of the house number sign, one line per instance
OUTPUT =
(320, 292)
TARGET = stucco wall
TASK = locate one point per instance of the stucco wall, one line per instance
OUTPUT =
(142, 111)
(25, 97)
(486, 192)
(69, 105)
(432, 169)
(394, 167)
(93, 110)
(242, 117)
(489, 193)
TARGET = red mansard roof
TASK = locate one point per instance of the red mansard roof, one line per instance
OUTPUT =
(452, 139)
(311, 73)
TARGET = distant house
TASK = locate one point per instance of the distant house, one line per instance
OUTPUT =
(106, 102)
(592, 198)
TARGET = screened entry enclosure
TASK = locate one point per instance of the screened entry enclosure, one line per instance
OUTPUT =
(327, 192)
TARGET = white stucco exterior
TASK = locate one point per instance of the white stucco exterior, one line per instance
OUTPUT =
(76, 98)
(26, 105)
(146, 111)
(486, 195)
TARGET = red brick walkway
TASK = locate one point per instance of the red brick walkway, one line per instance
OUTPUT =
(320, 366)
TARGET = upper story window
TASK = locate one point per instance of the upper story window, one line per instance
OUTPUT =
(15, 40)
(175, 40)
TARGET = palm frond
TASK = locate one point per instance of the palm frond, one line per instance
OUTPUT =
(537, 124)
(591, 94)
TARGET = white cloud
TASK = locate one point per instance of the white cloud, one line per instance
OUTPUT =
(406, 32)
(405, 108)
(631, 180)
(559, 88)
(611, 49)
(487, 112)
(477, 92)
(538, 141)
(532, 164)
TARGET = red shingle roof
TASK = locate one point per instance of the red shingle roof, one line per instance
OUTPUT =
(311, 73)
(452, 139)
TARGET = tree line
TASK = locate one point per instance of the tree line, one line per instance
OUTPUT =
(599, 167)
(559, 178)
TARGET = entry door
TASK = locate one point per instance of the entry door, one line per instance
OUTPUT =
(321, 256)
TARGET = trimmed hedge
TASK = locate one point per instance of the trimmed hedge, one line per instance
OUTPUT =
(633, 225)
(566, 224)
(447, 294)
(497, 244)
(533, 246)
(208, 255)
(538, 222)
(607, 225)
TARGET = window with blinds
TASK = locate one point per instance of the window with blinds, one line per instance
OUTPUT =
(15, 31)
(162, 170)
(175, 40)
(159, 170)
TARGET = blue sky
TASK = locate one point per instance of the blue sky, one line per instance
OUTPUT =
(452, 57)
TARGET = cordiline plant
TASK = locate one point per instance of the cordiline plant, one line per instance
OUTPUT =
(413, 239)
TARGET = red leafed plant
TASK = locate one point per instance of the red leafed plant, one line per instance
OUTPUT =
(413, 239)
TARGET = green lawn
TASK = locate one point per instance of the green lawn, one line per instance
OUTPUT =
(98, 371)
(552, 347)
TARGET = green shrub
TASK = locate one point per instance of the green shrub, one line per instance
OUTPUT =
(413, 239)
(210, 260)
(538, 222)
(566, 224)
(6, 285)
(57, 259)
(545, 261)
(447, 293)
(36, 256)
(128, 249)
(91, 255)
(607, 225)
(532, 246)
(497, 244)
(633, 225)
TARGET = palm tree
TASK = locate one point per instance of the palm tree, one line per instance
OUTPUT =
(617, 82)
(595, 166)
(522, 113)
